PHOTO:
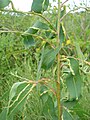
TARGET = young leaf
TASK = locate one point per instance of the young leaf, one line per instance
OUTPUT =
(4, 3)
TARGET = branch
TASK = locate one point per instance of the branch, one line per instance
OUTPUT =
(73, 11)
(12, 5)
(64, 3)
(32, 81)
(51, 89)
(65, 59)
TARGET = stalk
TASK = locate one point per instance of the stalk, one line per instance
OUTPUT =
(58, 64)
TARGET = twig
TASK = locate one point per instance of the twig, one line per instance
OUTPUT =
(53, 90)
(64, 3)
(32, 81)
(66, 57)
(72, 11)
(58, 64)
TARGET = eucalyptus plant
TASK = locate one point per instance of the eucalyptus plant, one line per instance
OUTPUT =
(67, 71)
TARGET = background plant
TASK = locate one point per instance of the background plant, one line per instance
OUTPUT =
(20, 56)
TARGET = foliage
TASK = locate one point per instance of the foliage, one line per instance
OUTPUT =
(34, 64)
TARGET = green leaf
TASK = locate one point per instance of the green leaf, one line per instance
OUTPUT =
(3, 114)
(50, 35)
(54, 117)
(5, 95)
(45, 5)
(44, 97)
(74, 86)
(14, 90)
(38, 25)
(31, 30)
(4, 3)
(73, 80)
(74, 64)
(40, 64)
(41, 25)
(81, 112)
(39, 6)
(49, 107)
(62, 33)
(69, 104)
(78, 81)
(19, 99)
(63, 11)
(29, 41)
(49, 57)
(67, 115)
(88, 75)
(79, 52)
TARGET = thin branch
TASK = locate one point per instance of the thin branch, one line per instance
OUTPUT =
(73, 11)
(65, 59)
(20, 77)
(86, 62)
(64, 3)
(12, 5)
(58, 64)
(52, 89)
(32, 81)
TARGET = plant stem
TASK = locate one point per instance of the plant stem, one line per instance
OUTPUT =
(85, 8)
(58, 64)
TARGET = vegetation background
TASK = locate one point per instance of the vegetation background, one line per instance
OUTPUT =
(19, 62)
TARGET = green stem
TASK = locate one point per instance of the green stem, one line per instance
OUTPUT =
(12, 6)
(58, 64)
(85, 8)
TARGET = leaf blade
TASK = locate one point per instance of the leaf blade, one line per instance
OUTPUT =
(4, 3)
